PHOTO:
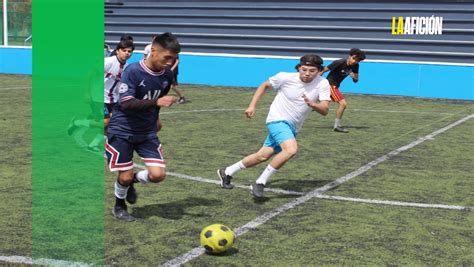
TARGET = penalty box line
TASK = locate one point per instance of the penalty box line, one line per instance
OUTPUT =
(198, 251)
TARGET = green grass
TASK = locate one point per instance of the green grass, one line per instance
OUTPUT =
(15, 166)
(318, 232)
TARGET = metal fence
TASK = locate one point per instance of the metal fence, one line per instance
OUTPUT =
(16, 27)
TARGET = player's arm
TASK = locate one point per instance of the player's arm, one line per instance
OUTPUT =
(355, 77)
(326, 69)
(175, 64)
(322, 107)
(250, 111)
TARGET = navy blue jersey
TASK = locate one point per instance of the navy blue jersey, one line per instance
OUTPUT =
(141, 83)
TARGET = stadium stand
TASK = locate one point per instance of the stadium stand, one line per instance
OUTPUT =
(294, 28)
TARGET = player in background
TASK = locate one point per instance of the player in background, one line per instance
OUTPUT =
(175, 68)
(144, 89)
(297, 95)
(113, 69)
(339, 70)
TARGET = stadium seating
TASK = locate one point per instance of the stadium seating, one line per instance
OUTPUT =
(294, 28)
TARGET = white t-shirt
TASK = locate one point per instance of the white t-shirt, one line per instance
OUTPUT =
(112, 74)
(289, 104)
(147, 51)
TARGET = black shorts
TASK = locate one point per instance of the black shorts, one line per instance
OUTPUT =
(119, 150)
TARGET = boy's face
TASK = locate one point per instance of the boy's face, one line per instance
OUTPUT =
(352, 60)
(124, 54)
(307, 73)
(161, 58)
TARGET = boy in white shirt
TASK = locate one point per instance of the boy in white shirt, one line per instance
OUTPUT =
(297, 95)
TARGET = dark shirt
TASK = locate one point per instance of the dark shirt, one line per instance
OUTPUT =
(340, 70)
(142, 84)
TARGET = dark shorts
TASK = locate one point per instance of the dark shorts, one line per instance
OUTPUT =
(119, 150)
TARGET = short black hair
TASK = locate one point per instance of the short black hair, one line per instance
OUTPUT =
(311, 60)
(126, 36)
(168, 41)
(358, 53)
(126, 41)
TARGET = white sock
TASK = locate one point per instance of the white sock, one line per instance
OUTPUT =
(97, 139)
(83, 123)
(142, 177)
(234, 168)
(120, 190)
(337, 123)
(269, 171)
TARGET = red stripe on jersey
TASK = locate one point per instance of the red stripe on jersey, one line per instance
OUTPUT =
(126, 98)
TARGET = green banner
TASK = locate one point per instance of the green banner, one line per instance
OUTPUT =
(67, 178)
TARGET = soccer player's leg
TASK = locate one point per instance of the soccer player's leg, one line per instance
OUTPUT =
(338, 97)
(262, 155)
(151, 152)
(284, 145)
(119, 153)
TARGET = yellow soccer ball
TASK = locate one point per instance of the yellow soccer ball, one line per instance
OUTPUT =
(217, 238)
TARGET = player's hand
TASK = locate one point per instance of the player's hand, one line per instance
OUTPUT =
(308, 101)
(250, 112)
(166, 101)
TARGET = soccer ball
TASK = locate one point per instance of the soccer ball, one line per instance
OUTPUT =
(217, 238)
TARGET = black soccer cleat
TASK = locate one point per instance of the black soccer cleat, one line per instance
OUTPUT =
(225, 179)
(121, 213)
(257, 190)
(341, 129)
(131, 194)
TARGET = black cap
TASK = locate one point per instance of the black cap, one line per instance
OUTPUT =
(311, 60)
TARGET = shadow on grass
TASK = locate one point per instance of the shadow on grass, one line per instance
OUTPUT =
(174, 210)
(229, 252)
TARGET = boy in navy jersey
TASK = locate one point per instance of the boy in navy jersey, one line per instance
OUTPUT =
(339, 70)
(133, 125)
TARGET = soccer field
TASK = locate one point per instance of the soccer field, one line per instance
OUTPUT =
(396, 190)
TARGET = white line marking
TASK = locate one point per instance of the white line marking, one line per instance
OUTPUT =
(395, 203)
(400, 111)
(14, 88)
(198, 251)
(360, 110)
(44, 262)
(211, 181)
(202, 110)
(329, 197)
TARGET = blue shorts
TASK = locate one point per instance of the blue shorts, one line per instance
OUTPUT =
(119, 150)
(279, 132)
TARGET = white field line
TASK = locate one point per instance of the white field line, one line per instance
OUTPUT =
(400, 111)
(198, 251)
(217, 182)
(242, 109)
(14, 88)
(322, 196)
(363, 110)
(42, 262)
(396, 203)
